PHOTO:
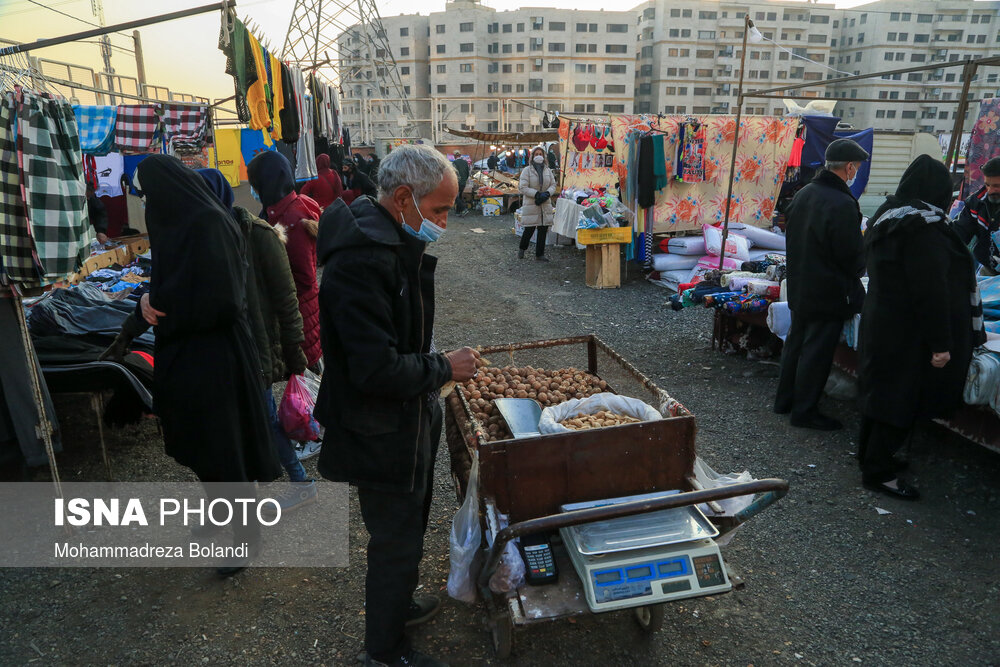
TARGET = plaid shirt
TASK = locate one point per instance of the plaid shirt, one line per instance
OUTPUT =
(136, 127)
(185, 125)
(97, 128)
(16, 247)
(52, 183)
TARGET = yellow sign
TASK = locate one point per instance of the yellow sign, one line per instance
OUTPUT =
(604, 235)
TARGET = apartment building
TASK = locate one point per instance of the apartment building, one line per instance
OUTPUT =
(472, 66)
(689, 52)
(897, 34)
(473, 63)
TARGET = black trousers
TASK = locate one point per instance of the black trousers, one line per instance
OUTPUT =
(459, 200)
(543, 231)
(805, 364)
(396, 523)
(877, 442)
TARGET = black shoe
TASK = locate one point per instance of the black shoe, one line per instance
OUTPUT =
(541, 258)
(422, 609)
(900, 489)
(781, 409)
(899, 465)
(520, 254)
(411, 659)
(817, 422)
(237, 565)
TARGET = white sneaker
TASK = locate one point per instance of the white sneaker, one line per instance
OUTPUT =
(306, 450)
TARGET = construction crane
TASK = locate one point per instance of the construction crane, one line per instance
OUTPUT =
(345, 43)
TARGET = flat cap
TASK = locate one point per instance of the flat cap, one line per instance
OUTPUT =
(846, 150)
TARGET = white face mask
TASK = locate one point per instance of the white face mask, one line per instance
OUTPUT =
(850, 181)
(429, 232)
(538, 159)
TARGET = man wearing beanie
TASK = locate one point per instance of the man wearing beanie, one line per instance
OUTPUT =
(825, 265)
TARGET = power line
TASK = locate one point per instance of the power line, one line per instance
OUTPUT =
(75, 18)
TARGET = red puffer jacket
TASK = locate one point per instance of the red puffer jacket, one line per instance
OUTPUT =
(299, 214)
(326, 188)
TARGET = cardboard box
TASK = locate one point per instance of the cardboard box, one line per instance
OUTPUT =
(130, 248)
(604, 235)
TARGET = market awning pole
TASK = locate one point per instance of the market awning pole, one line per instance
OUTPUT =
(955, 145)
(747, 24)
(129, 25)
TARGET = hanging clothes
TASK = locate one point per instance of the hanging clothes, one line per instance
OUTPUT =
(646, 179)
(52, 180)
(319, 117)
(96, 125)
(253, 143)
(659, 163)
(240, 65)
(116, 210)
(260, 117)
(108, 171)
(136, 126)
(185, 126)
(227, 153)
(693, 152)
(277, 94)
(16, 248)
(289, 114)
(131, 163)
(305, 167)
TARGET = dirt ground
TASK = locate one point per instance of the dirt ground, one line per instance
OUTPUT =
(829, 580)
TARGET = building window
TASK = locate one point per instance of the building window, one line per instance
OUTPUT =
(880, 113)
(404, 32)
(703, 73)
(465, 48)
(404, 50)
(467, 88)
(891, 113)
(616, 69)
(557, 26)
(707, 15)
(706, 34)
(439, 29)
(557, 67)
(614, 108)
(820, 18)
(520, 47)
(519, 88)
(467, 67)
(614, 89)
(585, 69)
(536, 43)
(702, 91)
(585, 88)
(442, 69)
(925, 18)
(921, 39)
(505, 88)
(586, 48)
(908, 114)
(701, 110)
(507, 27)
(535, 85)
(821, 39)
(917, 57)
(520, 27)
(465, 27)
(507, 69)
(439, 48)
(556, 47)
(617, 27)
(404, 70)
(615, 48)
(442, 88)
(556, 87)
(519, 68)
(506, 48)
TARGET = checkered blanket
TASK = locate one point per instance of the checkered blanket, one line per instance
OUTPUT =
(52, 183)
(16, 247)
(185, 126)
(96, 125)
(136, 128)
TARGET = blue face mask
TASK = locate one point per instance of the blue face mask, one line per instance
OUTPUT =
(429, 232)
(253, 193)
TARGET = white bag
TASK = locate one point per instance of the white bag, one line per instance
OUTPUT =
(669, 262)
(686, 245)
(710, 479)
(466, 540)
(736, 246)
(622, 405)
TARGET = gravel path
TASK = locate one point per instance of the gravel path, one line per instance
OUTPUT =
(829, 581)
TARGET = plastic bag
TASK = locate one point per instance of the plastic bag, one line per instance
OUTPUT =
(465, 541)
(622, 405)
(710, 479)
(510, 571)
(737, 246)
(295, 411)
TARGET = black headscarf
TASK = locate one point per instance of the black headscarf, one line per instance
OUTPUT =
(925, 181)
(270, 174)
(198, 253)
(219, 186)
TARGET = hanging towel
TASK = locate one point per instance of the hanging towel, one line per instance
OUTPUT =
(659, 162)
(52, 181)
(16, 247)
(96, 125)
(185, 125)
(136, 126)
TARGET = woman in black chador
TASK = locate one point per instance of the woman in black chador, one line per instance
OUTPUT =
(207, 383)
(920, 322)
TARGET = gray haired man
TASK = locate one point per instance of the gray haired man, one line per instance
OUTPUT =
(378, 398)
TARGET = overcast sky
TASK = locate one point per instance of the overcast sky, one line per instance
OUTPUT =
(183, 55)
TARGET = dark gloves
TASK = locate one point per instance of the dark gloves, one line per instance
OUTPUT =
(118, 349)
(295, 360)
(541, 196)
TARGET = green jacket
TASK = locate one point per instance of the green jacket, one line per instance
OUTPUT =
(273, 307)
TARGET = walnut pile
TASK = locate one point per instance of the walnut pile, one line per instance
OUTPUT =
(546, 387)
(598, 420)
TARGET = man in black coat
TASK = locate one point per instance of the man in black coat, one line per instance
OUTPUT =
(825, 265)
(980, 218)
(462, 172)
(378, 399)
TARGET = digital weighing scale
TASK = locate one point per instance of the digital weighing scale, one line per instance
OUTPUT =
(646, 558)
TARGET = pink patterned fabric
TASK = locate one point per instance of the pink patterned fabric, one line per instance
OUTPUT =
(983, 145)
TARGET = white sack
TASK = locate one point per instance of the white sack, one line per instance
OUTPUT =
(686, 245)
(621, 405)
(669, 262)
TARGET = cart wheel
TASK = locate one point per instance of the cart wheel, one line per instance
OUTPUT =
(650, 617)
(502, 633)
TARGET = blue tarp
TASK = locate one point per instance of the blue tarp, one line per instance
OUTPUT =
(819, 132)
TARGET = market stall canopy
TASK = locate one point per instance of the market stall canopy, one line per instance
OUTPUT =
(524, 138)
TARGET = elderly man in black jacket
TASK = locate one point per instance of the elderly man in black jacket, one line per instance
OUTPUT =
(378, 398)
(825, 265)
